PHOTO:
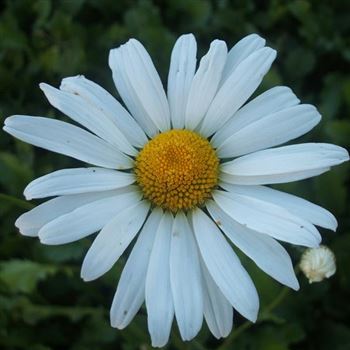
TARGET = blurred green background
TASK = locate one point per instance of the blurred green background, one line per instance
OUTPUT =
(43, 302)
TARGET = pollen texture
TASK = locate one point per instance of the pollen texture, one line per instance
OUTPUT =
(177, 170)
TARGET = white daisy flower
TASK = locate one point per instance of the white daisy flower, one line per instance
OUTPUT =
(185, 173)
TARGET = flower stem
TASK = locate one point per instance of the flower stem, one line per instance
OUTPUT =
(280, 297)
(16, 201)
(246, 325)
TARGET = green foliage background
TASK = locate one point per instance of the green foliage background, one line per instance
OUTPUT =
(43, 302)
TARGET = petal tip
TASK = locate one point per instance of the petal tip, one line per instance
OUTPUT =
(19, 222)
(43, 240)
(273, 54)
(5, 123)
(25, 233)
(27, 194)
(85, 277)
(334, 227)
(253, 316)
(293, 283)
(115, 323)
(158, 344)
(44, 87)
(189, 35)
(8, 121)
(345, 155)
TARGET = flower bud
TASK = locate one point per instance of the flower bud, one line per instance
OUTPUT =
(318, 264)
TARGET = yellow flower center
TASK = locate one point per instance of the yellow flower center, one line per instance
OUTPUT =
(177, 170)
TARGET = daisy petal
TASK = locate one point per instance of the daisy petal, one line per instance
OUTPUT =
(159, 301)
(238, 87)
(181, 72)
(267, 253)
(97, 97)
(241, 51)
(67, 139)
(205, 83)
(77, 108)
(218, 312)
(130, 293)
(283, 164)
(267, 218)
(145, 87)
(30, 223)
(224, 266)
(128, 94)
(295, 205)
(185, 278)
(271, 130)
(78, 180)
(270, 179)
(88, 218)
(113, 239)
(269, 102)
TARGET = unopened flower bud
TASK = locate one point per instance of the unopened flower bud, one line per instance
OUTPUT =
(318, 264)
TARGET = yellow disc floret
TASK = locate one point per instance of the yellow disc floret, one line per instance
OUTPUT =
(177, 170)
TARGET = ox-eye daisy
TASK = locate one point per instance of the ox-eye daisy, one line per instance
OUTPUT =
(185, 174)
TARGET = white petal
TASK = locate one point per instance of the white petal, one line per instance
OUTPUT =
(238, 87)
(130, 293)
(97, 97)
(271, 130)
(295, 205)
(88, 218)
(113, 239)
(159, 301)
(267, 218)
(78, 109)
(185, 278)
(270, 179)
(271, 101)
(145, 90)
(241, 51)
(128, 94)
(218, 312)
(181, 73)
(205, 83)
(78, 180)
(30, 223)
(283, 164)
(224, 266)
(64, 138)
(267, 253)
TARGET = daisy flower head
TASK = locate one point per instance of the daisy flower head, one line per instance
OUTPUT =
(183, 174)
(318, 263)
